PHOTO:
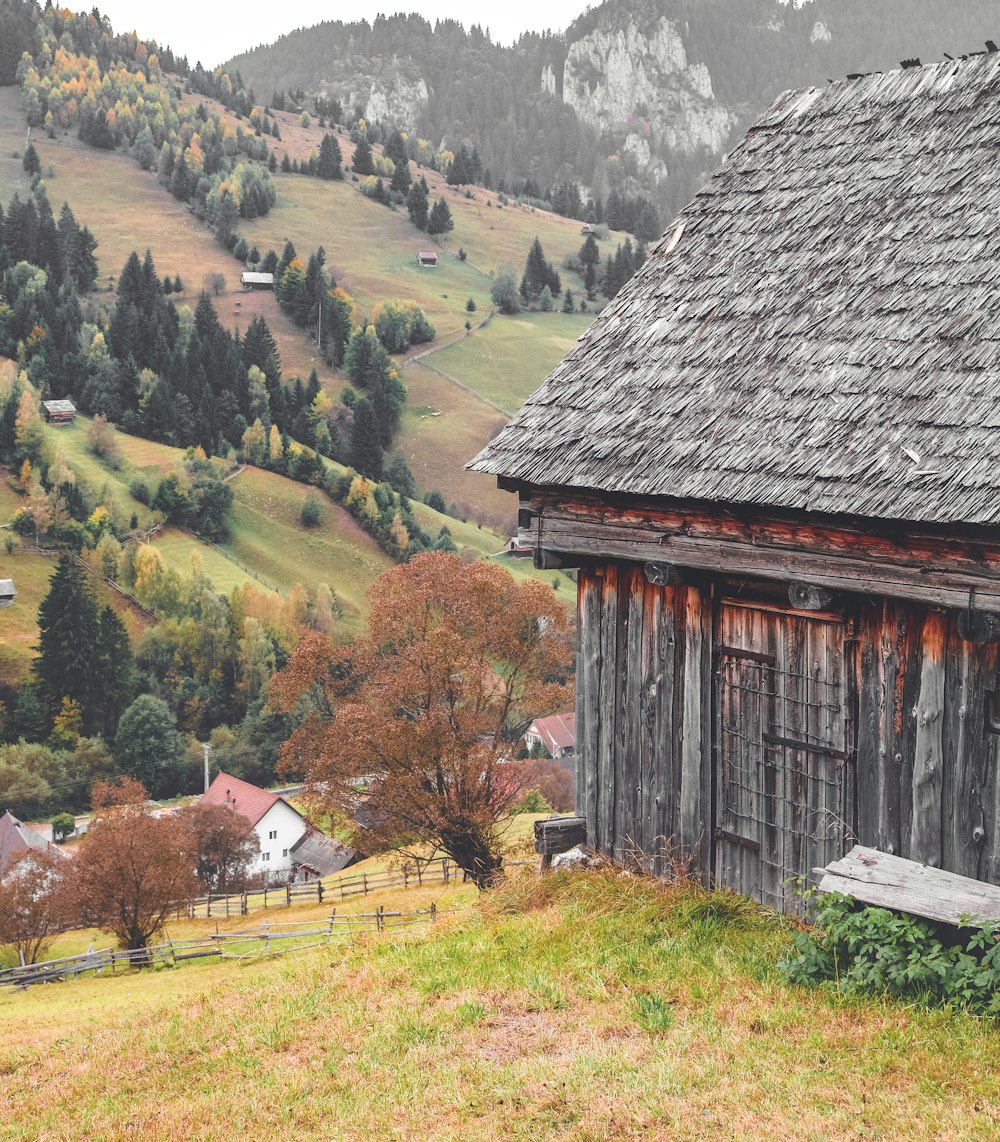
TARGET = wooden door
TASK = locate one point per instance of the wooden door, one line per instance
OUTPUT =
(783, 748)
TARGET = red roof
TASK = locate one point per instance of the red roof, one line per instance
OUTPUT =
(557, 731)
(240, 796)
(16, 839)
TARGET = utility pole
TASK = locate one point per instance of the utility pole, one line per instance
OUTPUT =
(207, 747)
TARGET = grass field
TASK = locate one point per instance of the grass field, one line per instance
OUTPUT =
(506, 360)
(19, 622)
(584, 1007)
(370, 250)
(267, 535)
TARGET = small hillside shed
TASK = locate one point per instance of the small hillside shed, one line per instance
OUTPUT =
(59, 411)
(427, 258)
(250, 280)
(775, 460)
(8, 592)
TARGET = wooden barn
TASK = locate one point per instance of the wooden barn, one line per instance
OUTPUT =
(250, 280)
(775, 460)
(59, 411)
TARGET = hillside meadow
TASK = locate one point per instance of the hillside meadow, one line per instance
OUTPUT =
(371, 251)
(585, 1006)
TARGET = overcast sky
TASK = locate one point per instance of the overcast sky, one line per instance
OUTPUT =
(215, 30)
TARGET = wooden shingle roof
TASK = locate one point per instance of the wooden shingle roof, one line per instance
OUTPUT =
(821, 329)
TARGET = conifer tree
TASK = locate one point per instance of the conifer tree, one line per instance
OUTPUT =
(366, 447)
(67, 638)
(417, 204)
(330, 159)
(440, 220)
(363, 161)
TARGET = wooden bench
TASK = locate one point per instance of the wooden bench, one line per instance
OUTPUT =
(558, 835)
(875, 877)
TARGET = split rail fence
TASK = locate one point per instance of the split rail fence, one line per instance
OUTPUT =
(440, 871)
(269, 938)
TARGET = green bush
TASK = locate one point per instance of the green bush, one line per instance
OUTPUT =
(310, 515)
(874, 951)
(63, 826)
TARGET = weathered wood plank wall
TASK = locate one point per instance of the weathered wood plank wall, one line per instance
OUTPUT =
(924, 760)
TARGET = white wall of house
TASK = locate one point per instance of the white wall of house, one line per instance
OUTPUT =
(277, 830)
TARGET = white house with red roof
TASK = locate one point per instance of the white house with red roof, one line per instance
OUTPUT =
(557, 733)
(279, 827)
(16, 839)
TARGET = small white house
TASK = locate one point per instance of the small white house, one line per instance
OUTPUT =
(279, 827)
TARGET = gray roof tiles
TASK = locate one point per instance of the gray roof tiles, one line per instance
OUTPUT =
(830, 309)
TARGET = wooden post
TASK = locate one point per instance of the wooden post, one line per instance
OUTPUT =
(406, 877)
(420, 875)
(364, 877)
(928, 761)
(288, 895)
(380, 918)
(244, 908)
(433, 912)
(319, 890)
(227, 905)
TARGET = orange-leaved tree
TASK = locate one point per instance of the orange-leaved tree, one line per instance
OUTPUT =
(33, 904)
(132, 869)
(416, 721)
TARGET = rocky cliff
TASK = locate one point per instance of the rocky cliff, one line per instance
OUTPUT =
(637, 85)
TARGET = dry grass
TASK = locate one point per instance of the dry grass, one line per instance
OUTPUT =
(522, 1019)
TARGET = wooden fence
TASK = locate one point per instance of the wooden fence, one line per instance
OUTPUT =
(269, 938)
(441, 871)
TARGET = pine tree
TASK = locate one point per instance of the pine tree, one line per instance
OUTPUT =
(330, 159)
(401, 180)
(366, 447)
(67, 638)
(440, 220)
(539, 274)
(417, 205)
(363, 161)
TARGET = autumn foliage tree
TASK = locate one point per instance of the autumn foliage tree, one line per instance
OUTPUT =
(224, 845)
(424, 708)
(33, 904)
(132, 870)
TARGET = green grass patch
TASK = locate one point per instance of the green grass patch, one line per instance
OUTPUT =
(585, 1007)
(19, 622)
(268, 536)
(508, 359)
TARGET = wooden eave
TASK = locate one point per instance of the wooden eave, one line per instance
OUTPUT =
(949, 566)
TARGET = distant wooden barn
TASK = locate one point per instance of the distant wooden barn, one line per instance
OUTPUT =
(250, 280)
(7, 592)
(427, 258)
(59, 411)
(775, 460)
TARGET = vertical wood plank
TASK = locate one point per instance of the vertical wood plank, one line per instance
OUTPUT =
(607, 711)
(629, 767)
(693, 807)
(650, 704)
(969, 672)
(589, 685)
(928, 756)
(871, 751)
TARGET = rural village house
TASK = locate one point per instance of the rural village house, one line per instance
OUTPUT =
(557, 733)
(16, 839)
(775, 459)
(278, 826)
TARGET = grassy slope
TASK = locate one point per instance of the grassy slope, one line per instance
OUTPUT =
(523, 1018)
(268, 536)
(503, 360)
(19, 622)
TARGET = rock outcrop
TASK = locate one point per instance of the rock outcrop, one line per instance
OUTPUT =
(637, 85)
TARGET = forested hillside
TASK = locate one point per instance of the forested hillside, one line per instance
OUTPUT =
(642, 96)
